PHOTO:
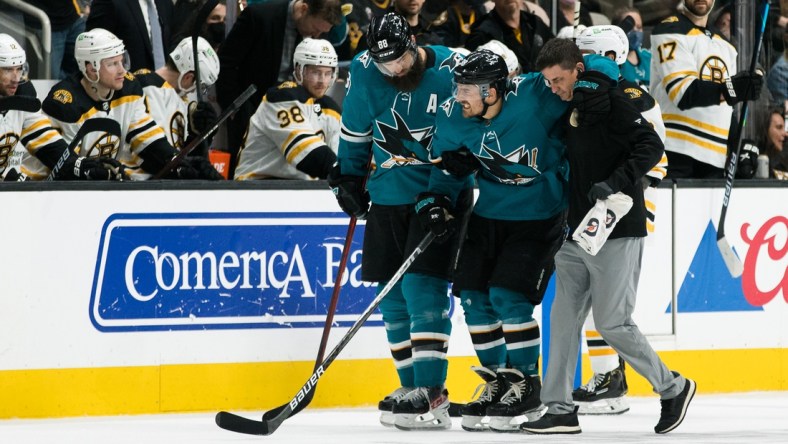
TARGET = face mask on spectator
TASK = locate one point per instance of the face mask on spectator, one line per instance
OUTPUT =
(635, 39)
(215, 33)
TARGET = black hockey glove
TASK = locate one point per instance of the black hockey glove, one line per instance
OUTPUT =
(599, 191)
(459, 163)
(197, 168)
(350, 193)
(741, 87)
(201, 117)
(433, 212)
(748, 160)
(94, 168)
(591, 99)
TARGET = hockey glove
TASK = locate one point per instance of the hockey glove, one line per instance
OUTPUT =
(201, 117)
(433, 212)
(350, 193)
(741, 87)
(591, 99)
(96, 168)
(197, 168)
(459, 163)
(599, 191)
(748, 160)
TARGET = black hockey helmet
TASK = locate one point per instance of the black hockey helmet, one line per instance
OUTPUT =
(483, 68)
(388, 37)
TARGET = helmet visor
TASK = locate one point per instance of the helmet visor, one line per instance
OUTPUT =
(397, 67)
(465, 92)
(113, 63)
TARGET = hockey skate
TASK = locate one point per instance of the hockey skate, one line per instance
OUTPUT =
(387, 403)
(518, 404)
(424, 408)
(604, 394)
(474, 413)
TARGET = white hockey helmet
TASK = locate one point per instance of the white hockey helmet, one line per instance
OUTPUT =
(568, 32)
(96, 45)
(183, 58)
(506, 54)
(12, 55)
(603, 39)
(316, 52)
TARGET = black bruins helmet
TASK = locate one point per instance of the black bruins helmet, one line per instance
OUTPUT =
(483, 67)
(388, 37)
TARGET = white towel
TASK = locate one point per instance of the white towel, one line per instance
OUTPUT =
(591, 234)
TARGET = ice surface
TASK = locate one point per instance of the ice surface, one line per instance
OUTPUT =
(731, 418)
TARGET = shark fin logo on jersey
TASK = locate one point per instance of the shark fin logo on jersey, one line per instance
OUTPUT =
(518, 167)
(714, 69)
(447, 106)
(63, 96)
(364, 58)
(403, 145)
(451, 62)
(178, 130)
(514, 85)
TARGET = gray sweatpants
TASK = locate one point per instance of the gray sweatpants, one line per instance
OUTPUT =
(607, 283)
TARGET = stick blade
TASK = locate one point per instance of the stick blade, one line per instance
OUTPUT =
(735, 267)
(239, 424)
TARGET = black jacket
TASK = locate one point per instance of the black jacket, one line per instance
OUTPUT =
(619, 151)
(533, 31)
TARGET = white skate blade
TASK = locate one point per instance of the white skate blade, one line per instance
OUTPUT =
(387, 419)
(613, 406)
(475, 423)
(437, 419)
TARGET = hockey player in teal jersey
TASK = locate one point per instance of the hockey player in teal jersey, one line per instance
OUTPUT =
(393, 94)
(509, 131)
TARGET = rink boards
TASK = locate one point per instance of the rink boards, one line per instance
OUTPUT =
(156, 300)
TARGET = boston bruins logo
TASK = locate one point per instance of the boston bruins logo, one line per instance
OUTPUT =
(714, 69)
(178, 130)
(7, 143)
(63, 96)
(105, 146)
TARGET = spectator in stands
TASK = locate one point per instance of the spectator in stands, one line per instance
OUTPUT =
(68, 21)
(566, 16)
(134, 21)
(455, 27)
(213, 29)
(107, 91)
(637, 67)
(294, 133)
(522, 32)
(259, 50)
(694, 80)
(722, 21)
(423, 29)
(777, 80)
(772, 132)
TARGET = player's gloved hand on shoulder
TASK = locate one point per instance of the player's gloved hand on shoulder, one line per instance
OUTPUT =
(95, 168)
(350, 193)
(599, 191)
(196, 167)
(743, 86)
(433, 212)
(591, 99)
(201, 116)
(459, 163)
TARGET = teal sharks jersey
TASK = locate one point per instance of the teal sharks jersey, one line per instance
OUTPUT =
(524, 169)
(397, 126)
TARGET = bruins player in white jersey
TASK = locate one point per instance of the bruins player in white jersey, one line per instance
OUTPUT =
(106, 90)
(694, 80)
(25, 130)
(167, 91)
(294, 133)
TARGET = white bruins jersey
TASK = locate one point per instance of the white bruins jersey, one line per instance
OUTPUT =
(684, 53)
(287, 126)
(24, 133)
(167, 108)
(69, 106)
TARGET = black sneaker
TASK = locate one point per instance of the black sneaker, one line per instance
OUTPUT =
(604, 394)
(553, 424)
(490, 392)
(674, 409)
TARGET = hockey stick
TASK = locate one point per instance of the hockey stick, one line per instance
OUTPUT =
(202, 15)
(732, 261)
(19, 103)
(576, 23)
(268, 425)
(96, 124)
(191, 145)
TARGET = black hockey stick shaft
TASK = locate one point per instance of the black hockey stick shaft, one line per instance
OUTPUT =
(732, 262)
(202, 15)
(268, 425)
(237, 103)
(96, 124)
(20, 103)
